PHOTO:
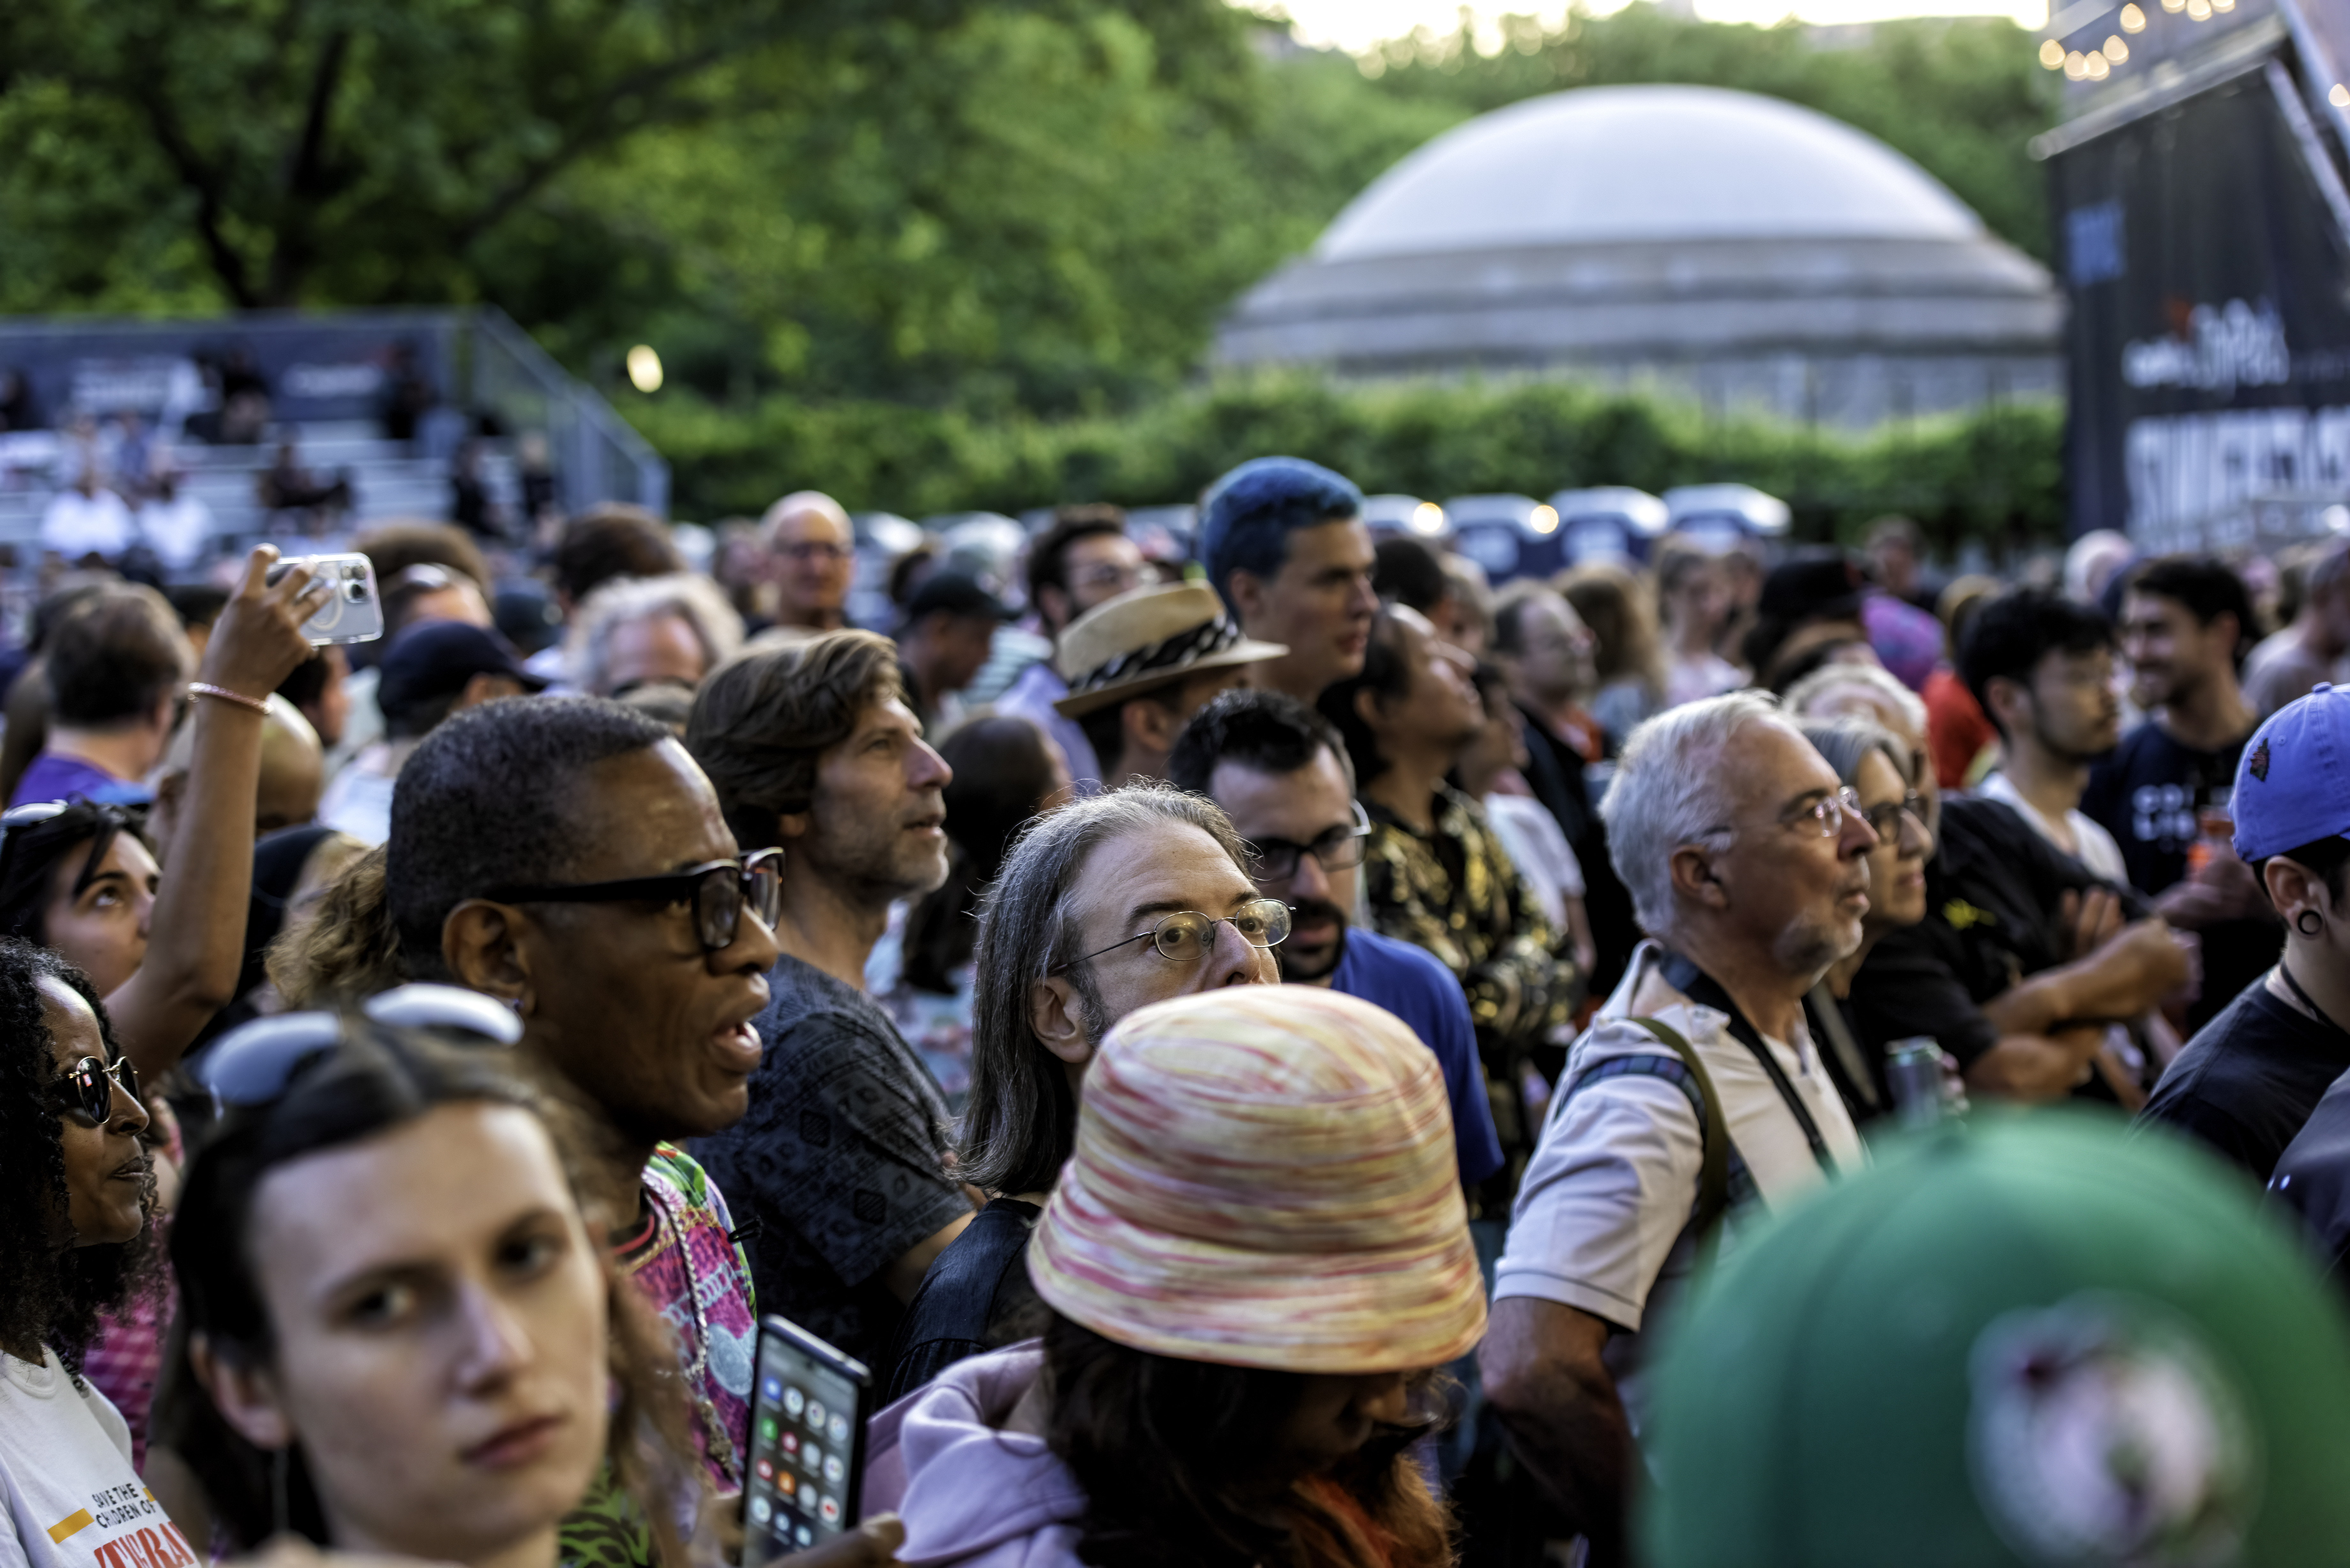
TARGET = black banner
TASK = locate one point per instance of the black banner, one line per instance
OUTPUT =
(2209, 338)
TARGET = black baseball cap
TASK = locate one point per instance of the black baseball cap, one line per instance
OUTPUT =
(957, 593)
(435, 660)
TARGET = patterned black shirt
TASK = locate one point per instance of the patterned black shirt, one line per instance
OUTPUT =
(840, 1163)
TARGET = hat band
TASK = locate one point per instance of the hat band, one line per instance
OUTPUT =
(1202, 641)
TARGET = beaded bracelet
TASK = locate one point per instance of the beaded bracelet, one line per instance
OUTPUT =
(206, 689)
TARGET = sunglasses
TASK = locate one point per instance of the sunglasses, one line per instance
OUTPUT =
(25, 815)
(88, 1090)
(252, 1063)
(1188, 936)
(718, 891)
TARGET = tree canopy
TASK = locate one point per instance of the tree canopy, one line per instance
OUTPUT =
(1003, 206)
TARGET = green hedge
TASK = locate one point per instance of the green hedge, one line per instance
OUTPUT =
(1996, 475)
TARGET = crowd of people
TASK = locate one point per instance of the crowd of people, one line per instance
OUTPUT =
(1296, 1056)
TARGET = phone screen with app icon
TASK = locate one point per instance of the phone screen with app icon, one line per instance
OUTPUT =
(807, 1443)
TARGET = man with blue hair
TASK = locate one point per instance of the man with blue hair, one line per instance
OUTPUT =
(1284, 542)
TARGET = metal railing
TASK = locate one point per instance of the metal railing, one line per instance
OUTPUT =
(597, 457)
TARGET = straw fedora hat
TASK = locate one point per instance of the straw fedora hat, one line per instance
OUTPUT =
(1264, 1176)
(1149, 637)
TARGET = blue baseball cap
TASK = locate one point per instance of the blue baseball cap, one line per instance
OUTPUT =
(2292, 783)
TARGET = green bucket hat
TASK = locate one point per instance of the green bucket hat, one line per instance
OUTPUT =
(2033, 1339)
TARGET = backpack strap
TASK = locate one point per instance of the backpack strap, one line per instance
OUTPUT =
(1723, 1175)
(1713, 1175)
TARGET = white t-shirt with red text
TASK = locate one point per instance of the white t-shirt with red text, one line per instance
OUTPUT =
(73, 1497)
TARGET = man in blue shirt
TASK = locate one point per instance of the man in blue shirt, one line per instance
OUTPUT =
(1280, 772)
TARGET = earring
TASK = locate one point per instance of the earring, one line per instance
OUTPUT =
(2309, 923)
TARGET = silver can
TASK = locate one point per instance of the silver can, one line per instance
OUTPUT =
(1913, 1071)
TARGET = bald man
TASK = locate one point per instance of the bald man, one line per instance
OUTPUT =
(293, 776)
(811, 557)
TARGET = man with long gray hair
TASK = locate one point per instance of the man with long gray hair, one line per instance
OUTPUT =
(1103, 906)
(1697, 1092)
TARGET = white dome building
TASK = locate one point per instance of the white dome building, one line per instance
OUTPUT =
(1738, 249)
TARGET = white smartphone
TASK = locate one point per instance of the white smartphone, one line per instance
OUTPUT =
(354, 609)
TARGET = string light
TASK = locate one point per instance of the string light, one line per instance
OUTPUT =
(2340, 97)
(2097, 68)
(2116, 50)
(2052, 55)
(2133, 19)
(2077, 66)
(644, 369)
(1543, 520)
(2200, 10)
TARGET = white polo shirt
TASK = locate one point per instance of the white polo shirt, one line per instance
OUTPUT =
(1608, 1192)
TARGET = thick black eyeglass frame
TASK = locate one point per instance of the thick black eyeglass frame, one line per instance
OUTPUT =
(1331, 851)
(88, 1090)
(1208, 942)
(757, 880)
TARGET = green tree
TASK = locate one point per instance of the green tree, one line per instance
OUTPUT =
(1028, 208)
(346, 152)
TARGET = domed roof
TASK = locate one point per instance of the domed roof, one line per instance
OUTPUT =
(1635, 164)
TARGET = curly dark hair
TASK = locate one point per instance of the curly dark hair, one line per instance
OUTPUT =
(1178, 1466)
(49, 1296)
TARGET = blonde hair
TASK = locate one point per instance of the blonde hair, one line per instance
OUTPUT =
(346, 947)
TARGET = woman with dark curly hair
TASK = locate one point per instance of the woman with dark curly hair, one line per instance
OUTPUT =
(72, 1238)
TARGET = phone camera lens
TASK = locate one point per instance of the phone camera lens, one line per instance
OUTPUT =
(355, 592)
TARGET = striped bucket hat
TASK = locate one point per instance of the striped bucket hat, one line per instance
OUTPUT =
(1265, 1176)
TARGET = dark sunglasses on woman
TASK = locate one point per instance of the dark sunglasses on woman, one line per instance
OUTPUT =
(88, 1090)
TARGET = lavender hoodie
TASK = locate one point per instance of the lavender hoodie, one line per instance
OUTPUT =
(971, 1494)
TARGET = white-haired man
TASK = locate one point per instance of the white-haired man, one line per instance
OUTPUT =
(1745, 860)
(669, 631)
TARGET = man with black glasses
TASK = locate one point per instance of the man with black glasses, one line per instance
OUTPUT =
(565, 857)
(842, 1163)
(1280, 772)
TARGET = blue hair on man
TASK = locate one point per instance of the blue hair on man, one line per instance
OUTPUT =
(1246, 516)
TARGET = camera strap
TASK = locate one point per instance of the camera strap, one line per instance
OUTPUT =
(1683, 975)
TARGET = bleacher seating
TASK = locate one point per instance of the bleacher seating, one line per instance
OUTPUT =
(389, 479)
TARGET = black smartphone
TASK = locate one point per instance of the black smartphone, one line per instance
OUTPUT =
(807, 1443)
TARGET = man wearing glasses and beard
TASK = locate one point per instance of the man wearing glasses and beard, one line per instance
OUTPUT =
(1280, 772)
(1102, 908)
